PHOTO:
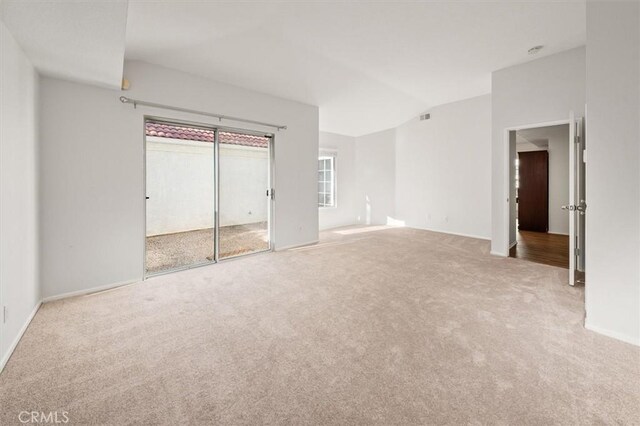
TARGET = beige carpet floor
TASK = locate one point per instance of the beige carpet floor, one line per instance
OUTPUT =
(391, 326)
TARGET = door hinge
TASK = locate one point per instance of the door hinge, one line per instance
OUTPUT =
(4, 314)
(271, 193)
(577, 251)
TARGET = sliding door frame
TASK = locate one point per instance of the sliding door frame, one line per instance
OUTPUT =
(270, 187)
(216, 196)
(216, 186)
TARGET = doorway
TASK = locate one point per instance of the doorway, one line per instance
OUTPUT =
(546, 193)
(208, 194)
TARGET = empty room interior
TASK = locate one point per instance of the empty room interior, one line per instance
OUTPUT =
(312, 212)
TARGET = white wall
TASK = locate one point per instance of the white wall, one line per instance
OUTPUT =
(559, 183)
(92, 175)
(540, 91)
(19, 281)
(244, 181)
(375, 177)
(558, 149)
(180, 185)
(443, 169)
(346, 211)
(613, 164)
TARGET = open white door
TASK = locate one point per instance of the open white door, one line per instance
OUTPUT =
(581, 199)
(577, 203)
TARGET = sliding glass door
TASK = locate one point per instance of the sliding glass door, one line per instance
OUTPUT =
(244, 198)
(207, 195)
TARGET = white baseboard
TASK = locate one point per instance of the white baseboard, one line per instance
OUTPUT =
(497, 253)
(512, 245)
(337, 226)
(558, 233)
(459, 234)
(296, 245)
(87, 291)
(613, 334)
(15, 342)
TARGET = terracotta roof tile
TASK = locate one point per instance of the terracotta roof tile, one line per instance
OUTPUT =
(164, 130)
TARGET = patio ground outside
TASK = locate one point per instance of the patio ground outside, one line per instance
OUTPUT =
(171, 251)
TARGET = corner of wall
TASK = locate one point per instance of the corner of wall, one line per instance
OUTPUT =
(20, 284)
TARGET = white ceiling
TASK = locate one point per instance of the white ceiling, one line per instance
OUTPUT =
(540, 136)
(78, 40)
(368, 65)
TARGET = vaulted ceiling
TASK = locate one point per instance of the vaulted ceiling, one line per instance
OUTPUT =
(367, 65)
(77, 40)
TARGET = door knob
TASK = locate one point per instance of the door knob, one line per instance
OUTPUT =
(582, 207)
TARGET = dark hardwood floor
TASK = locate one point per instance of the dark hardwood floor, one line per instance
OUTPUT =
(541, 247)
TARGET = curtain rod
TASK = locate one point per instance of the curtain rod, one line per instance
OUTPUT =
(137, 102)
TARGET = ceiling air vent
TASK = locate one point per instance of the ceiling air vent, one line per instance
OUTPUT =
(425, 117)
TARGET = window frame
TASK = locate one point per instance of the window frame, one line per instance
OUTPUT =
(334, 181)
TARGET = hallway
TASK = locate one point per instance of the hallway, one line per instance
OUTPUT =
(542, 247)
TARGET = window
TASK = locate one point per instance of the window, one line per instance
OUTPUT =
(326, 181)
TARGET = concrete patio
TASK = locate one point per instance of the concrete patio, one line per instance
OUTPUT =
(171, 251)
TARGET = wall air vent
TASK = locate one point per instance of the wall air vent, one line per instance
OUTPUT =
(425, 117)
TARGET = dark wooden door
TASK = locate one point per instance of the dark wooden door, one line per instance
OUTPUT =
(533, 194)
